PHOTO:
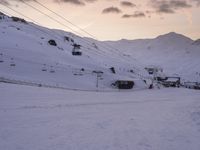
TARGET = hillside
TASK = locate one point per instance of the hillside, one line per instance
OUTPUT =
(175, 53)
(37, 54)
(62, 59)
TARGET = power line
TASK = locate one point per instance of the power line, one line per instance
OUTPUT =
(57, 21)
(49, 16)
(64, 18)
(29, 19)
(5, 12)
(67, 27)
(32, 21)
(38, 23)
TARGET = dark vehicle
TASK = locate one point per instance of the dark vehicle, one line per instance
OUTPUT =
(123, 84)
(170, 81)
(76, 53)
(192, 85)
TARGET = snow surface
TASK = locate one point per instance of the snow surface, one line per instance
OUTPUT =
(80, 118)
(26, 45)
(177, 54)
(33, 118)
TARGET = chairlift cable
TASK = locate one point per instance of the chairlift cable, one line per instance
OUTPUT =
(59, 21)
(45, 15)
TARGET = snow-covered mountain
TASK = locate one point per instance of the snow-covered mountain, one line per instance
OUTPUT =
(29, 52)
(46, 56)
(175, 53)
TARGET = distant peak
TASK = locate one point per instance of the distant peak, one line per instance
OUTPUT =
(172, 33)
(173, 36)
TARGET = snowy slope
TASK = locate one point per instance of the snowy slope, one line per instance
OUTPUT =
(35, 118)
(26, 45)
(175, 53)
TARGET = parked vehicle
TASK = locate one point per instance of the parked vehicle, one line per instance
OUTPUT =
(192, 85)
(123, 84)
(170, 81)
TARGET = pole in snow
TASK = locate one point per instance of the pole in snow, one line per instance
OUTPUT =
(98, 74)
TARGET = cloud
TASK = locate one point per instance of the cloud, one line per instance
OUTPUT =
(169, 6)
(127, 4)
(7, 2)
(137, 14)
(25, 0)
(111, 10)
(74, 2)
(4, 2)
(90, 1)
(197, 2)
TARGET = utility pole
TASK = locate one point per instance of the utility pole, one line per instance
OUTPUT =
(98, 75)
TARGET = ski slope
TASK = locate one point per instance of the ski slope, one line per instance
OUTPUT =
(52, 103)
(26, 45)
(37, 118)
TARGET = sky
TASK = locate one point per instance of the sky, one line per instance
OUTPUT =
(112, 19)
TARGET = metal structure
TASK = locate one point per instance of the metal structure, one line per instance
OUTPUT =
(98, 75)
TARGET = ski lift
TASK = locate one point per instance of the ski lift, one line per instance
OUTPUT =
(1, 58)
(52, 70)
(76, 49)
(44, 68)
(12, 63)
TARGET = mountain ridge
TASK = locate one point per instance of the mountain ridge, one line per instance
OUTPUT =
(175, 53)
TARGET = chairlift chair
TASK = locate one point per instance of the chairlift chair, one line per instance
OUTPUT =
(52, 70)
(12, 64)
(44, 67)
(1, 58)
(76, 50)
